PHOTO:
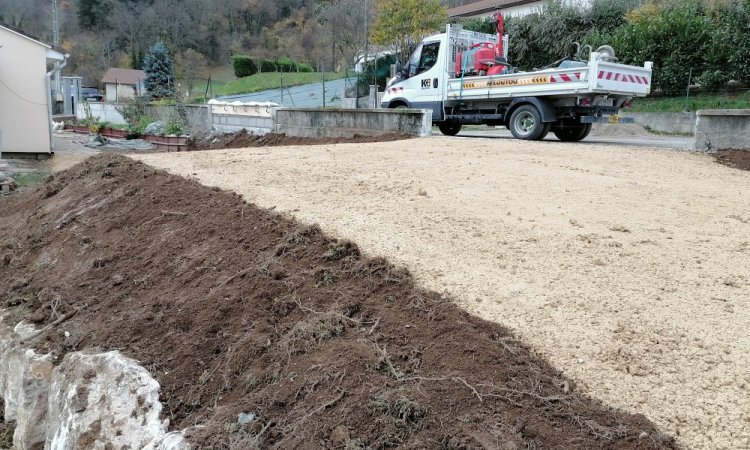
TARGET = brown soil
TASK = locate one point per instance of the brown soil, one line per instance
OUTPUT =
(739, 159)
(243, 139)
(236, 309)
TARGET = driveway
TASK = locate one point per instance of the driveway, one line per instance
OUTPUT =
(626, 267)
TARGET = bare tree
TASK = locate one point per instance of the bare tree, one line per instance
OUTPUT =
(344, 21)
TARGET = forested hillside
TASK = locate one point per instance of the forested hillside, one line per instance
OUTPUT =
(104, 33)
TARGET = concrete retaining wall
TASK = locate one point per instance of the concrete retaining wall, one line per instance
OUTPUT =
(718, 129)
(262, 118)
(349, 122)
(682, 123)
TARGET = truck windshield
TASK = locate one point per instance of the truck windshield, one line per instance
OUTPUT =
(414, 61)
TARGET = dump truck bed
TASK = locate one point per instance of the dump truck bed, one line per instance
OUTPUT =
(597, 77)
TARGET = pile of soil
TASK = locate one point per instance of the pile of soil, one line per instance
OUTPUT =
(271, 334)
(243, 139)
(739, 159)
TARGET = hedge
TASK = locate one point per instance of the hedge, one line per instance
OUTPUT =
(305, 67)
(287, 65)
(710, 38)
(244, 66)
(268, 65)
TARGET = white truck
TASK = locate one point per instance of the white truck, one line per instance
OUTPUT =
(565, 99)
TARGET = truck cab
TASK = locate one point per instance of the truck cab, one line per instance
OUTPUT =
(566, 98)
(420, 83)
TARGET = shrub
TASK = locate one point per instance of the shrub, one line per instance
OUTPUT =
(729, 50)
(287, 65)
(675, 36)
(375, 72)
(713, 79)
(305, 67)
(268, 65)
(132, 110)
(244, 66)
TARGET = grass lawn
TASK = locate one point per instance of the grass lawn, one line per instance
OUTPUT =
(219, 77)
(272, 80)
(696, 102)
(29, 179)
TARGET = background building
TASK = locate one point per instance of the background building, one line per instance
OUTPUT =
(25, 100)
(120, 84)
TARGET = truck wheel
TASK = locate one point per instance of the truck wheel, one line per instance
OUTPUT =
(573, 134)
(450, 129)
(526, 123)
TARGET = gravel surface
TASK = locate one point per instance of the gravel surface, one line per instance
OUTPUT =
(627, 268)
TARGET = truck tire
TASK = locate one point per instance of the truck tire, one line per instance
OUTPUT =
(573, 134)
(449, 129)
(526, 123)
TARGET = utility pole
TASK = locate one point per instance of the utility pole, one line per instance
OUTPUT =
(56, 45)
(367, 43)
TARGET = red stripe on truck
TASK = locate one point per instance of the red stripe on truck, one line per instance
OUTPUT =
(636, 79)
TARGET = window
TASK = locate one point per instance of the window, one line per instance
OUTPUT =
(430, 54)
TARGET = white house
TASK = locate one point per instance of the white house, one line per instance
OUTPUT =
(121, 84)
(487, 8)
(25, 98)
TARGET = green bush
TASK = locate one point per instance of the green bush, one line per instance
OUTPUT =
(729, 50)
(244, 66)
(544, 37)
(713, 79)
(268, 65)
(674, 35)
(287, 65)
(375, 72)
(305, 67)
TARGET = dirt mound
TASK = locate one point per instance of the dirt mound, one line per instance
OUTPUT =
(271, 334)
(739, 159)
(243, 139)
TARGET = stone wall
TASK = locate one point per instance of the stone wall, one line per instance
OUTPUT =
(718, 129)
(89, 400)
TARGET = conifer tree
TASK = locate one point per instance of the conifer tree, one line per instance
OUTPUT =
(159, 70)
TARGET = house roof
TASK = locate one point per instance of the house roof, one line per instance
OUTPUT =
(18, 32)
(485, 6)
(124, 76)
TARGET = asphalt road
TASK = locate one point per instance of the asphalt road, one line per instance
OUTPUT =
(627, 135)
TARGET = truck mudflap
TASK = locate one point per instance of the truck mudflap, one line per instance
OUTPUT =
(607, 119)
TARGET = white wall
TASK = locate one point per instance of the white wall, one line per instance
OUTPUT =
(522, 10)
(105, 113)
(24, 123)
